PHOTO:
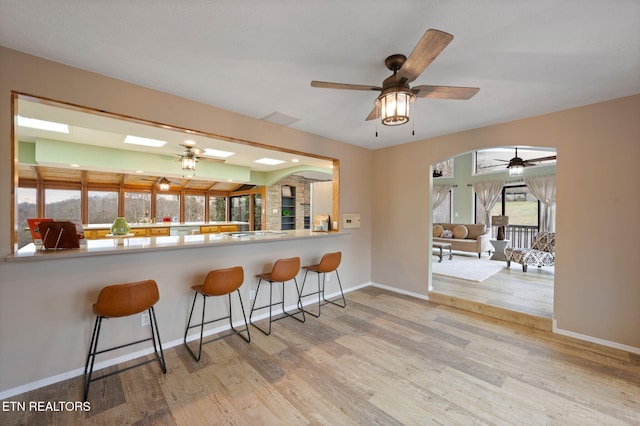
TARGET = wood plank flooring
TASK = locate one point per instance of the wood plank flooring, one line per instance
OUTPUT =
(385, 359)
(503, 295)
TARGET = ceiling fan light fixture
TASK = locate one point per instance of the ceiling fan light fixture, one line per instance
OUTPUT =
(516, 166)
(395, 107)
(164, 184)
(189, 162)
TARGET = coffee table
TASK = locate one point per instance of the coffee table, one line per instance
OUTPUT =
(442, 246)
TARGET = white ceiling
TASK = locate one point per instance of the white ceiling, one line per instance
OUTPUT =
(258, 57)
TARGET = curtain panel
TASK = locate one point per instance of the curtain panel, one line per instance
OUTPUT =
(439, 194)
(544, 189)
(488, 193)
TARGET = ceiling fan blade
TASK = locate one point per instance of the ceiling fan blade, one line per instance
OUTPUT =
(375, 113)
(497, 159)
(328, 85)
(445, 92)
(540, 159)
(428, 48)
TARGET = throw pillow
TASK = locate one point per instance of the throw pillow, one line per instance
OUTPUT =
(447, 234)
(437, 230)
(460, 232)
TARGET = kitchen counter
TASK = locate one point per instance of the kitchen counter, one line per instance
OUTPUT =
(103, 247)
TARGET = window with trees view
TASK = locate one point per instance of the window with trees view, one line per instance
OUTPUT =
(26, 209)
(136, 205)
(194, 208)
(62, 204)
(168, 205)
(240, 208)
(217, 208)
(103, 206)
(494, 160)
(518, 203)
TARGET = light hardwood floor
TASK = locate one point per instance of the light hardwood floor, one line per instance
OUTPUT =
(522, 297)
(384, 359)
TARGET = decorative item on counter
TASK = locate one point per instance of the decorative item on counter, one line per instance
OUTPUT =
(120, 226)
(166, 219)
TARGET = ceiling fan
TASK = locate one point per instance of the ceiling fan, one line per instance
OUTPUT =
(396, 95)
(516, 164)
(189, 157)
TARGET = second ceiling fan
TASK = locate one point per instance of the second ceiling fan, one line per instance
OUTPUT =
(396, 95)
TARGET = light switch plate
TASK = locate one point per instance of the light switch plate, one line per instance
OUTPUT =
(351, 220)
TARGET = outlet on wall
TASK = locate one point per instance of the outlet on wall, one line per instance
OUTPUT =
(252, 294)
(145, 318)
(328, 277)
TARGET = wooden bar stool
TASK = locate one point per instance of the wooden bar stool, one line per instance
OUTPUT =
(329, 263)
(218, 282)
(122, 300)
(283, 270)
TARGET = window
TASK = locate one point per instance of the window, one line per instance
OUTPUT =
(136, 205)
(194, 208)
(442, 213)
(240, 208)
(103, 206)
(517, 202)
(26, 209)
(257, 211)
(168, 205)
(443, 168)
(495, 160)
(521, 206)
(62, 204)
(217, 208)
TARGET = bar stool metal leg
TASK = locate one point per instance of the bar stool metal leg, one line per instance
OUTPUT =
(272, 304)
(218, 283)
(138, 297)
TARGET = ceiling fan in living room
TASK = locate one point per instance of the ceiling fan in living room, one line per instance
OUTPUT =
(516, 164)
(393, 103)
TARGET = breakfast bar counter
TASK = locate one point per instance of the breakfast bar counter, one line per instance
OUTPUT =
(102, 247)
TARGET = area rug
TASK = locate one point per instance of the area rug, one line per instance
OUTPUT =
(466, 268)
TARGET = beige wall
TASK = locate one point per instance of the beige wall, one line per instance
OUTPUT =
(597, 287)
(45, 306)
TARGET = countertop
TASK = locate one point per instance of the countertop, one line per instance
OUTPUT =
(104, 247)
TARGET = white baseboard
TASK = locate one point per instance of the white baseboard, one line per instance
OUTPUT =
(596, 340)
(144, 352)
(400, 291)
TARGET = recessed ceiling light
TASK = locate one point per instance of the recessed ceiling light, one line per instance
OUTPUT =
(269, 161)
(137, 140)
(139, 171)
(74, 165)
(217, 153)
(34, 123)
(295, 160)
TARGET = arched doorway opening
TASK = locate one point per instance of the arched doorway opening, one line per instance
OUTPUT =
(480, 282)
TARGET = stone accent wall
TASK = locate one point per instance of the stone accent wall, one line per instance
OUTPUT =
(274, 201)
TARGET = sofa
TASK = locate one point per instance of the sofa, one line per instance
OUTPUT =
(473, 238)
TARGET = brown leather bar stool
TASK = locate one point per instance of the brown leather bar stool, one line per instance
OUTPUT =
(122, 300)
(283, 270)
(329, 263)
(218, 282)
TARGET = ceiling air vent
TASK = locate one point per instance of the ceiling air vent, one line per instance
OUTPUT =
(280, 118)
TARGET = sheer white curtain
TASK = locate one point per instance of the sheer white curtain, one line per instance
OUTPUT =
(439, 194)
(544, 189)
(488, 193)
